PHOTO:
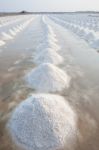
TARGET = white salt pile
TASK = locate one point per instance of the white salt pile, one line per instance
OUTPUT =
(16, 30)
(12, 32)
(50, 37)
(48, 78)
(48, 56)
(2, 43)
(54, 45)
(46, 45)
(6, 36)
(43, 19)
(51, 31)
(19, 27)
(43, 122)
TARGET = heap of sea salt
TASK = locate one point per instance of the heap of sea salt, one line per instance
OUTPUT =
(43, 122)
(12, 32)
(2, 43)
(16, 30)
(47, 44)
(50, 36)
(19, 27)
(43, 19)
(48, 56)
(48, 78)
(6, 36)
(50, 30)
(53, 44)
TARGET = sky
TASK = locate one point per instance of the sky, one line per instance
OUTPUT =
(49, 5)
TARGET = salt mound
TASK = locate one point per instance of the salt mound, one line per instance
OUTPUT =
(48, 56)
(48, 78)
(54, 45)
(2, 43)
(45, 46)
(95, 44)
(43, 122)
(44, 20)
(15, 30)
(50, 36)
(51, 31)
(12, 32)
(19, 27)
(6, 36)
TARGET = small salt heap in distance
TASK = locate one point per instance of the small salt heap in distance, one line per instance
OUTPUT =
(6, 36)
(48, 56)
(54, 45)
(2, 43)
(52, 38)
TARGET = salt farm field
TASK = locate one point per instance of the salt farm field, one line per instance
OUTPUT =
(54, 58)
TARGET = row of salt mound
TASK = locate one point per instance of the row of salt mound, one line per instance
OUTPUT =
(44, 121)
(12, 32)
(88, 36)
(47, 77)
(48, 55)
(5, 36)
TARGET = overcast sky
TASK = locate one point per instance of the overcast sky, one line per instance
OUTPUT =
(49, 5)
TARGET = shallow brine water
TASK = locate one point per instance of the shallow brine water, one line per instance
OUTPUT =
(81, 63)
